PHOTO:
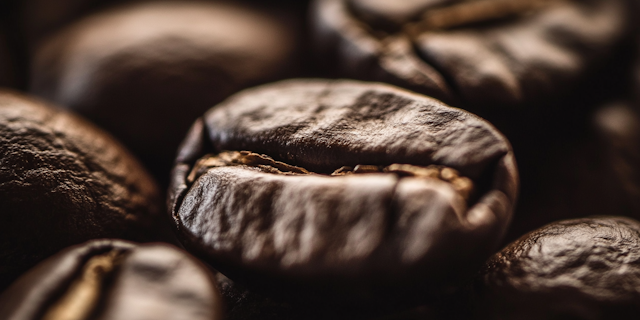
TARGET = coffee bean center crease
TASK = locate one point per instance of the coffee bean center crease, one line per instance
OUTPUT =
(463, 185)
(82, 297)
(477, 11)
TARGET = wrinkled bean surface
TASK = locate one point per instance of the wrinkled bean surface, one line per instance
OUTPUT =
(472, 53)
(342, 184)
(63, 182)
(574, 269)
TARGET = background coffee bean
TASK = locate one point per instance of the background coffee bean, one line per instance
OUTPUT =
(285, 222)
(63, 182)
(114, 279)
(511, 60)
(576, 150)
(145, 72)
(573, 269)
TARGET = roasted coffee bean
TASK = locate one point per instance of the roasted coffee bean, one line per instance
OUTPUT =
(114, 279)
(475, 54)
(63, 182)
(146, 72)
(574, 269)
(253, 191)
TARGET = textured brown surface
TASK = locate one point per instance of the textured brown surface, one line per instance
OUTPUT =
(62, 182)
(364, 234)
(516, 61)
(574, 269)
(153, 281)
(146, 72)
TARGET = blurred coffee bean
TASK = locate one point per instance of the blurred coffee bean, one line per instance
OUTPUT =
(145, 72)
(113, 279)
(574, 269)
(358, 190)
(63, 182)
(473, 54)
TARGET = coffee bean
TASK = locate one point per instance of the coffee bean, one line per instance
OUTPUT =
(474, 54)
(420, 192)
(114, 279)
(63, 182)
(574, 269)
(145, 72)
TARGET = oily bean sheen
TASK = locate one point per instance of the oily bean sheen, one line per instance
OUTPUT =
(344, 186)
(476, 54)
(145, 72)
(573, 269)
(63, 182)
(114, 279)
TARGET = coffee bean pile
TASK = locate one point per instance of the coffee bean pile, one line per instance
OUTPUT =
(319, 159)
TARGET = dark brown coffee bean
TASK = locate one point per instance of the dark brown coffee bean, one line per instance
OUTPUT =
(146, 72)
(63, 182)
(113, 279)
(574, 269)
(269, 210)
(476, 54)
